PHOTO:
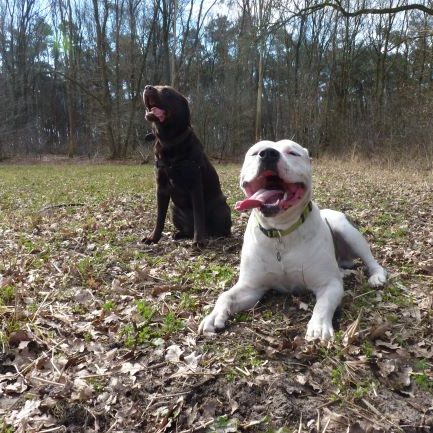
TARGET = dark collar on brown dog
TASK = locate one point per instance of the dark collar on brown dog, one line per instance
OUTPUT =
(179, 139)
(159, 163)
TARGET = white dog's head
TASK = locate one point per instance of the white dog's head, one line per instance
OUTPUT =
(276, 177)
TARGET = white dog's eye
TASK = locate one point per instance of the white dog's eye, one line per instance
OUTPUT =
(291, 152)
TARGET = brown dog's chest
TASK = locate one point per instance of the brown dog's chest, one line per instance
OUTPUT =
(179, 176)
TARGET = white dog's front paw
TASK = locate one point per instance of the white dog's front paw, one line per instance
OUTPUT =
(377, 278)
(207, 325)
(319, 328)
(212, 322)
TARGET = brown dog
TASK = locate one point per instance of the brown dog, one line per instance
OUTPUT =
(183, 172)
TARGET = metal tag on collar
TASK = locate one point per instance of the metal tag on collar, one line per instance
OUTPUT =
(280, 242)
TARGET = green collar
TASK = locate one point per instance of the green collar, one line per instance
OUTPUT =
(275, 233)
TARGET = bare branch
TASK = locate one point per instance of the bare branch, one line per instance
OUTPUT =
(364, 11)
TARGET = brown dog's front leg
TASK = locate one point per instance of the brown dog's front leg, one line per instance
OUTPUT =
(199, 214)
(162, 200)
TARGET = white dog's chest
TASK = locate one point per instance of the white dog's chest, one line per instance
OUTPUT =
(277, 271)
(300, 260)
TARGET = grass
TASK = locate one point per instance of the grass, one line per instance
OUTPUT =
(78, 280)
(7, 295)
(33, 187)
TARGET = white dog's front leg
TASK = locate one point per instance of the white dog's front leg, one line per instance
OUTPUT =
(239, 297)
(328, 299)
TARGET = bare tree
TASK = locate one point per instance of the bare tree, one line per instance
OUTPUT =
(339, 76)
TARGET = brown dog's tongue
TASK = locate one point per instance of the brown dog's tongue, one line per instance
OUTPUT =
(160, 114)
(258, 199)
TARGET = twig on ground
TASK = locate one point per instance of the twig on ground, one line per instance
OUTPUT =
(359, 411)
(326, 425)
(200, 427)
(59, 206)
(42, 304)
(113, 425)
(27, 367)
(53, 429)
(51, 382)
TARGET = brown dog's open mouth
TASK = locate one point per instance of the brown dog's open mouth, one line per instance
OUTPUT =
(153, 112)
(270, 193)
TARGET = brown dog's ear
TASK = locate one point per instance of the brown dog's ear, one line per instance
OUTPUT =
(187, 112)
(149, 137)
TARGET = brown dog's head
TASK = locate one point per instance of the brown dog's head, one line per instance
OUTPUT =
(167, 109)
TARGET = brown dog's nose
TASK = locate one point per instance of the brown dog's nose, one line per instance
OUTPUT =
(269, 154)
(149, 88)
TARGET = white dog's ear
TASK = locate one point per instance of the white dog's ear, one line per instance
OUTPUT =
(308, 154)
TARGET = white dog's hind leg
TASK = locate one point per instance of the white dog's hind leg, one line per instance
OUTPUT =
(328, 299)
(360, 247)
(240, 297)
(354, 245)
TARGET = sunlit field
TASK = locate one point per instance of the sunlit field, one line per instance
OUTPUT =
(99, 332)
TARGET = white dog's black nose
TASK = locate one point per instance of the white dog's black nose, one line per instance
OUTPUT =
(269, 155)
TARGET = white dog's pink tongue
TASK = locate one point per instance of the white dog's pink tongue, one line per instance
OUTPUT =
(259, 198)
(160, 114)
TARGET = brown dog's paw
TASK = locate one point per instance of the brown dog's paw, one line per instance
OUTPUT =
(151, 239)
(199, 243)
(180, 235)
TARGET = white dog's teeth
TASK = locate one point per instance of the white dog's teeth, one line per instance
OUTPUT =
(282, 200)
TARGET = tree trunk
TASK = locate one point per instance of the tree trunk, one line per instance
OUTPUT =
(101, 51)
(258, 129)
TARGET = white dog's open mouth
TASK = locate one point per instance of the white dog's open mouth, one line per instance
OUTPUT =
(270, 193)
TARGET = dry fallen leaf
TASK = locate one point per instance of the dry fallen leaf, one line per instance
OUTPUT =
(173, 353)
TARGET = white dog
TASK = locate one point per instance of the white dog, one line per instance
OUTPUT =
(289, 243)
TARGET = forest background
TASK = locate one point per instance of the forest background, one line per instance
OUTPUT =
(336, 76)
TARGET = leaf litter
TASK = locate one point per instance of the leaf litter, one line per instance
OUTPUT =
(99, 332)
